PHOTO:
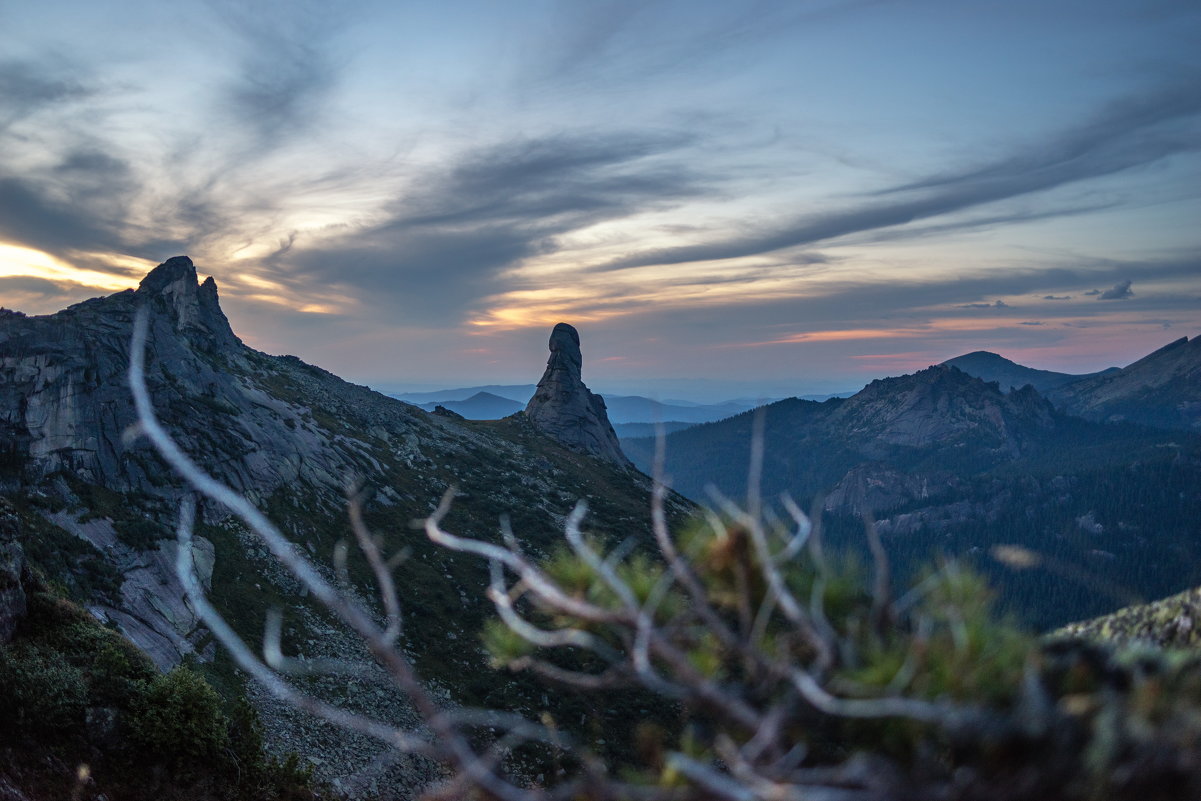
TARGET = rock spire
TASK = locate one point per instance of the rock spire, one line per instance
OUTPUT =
(564, 409)
(193, 306)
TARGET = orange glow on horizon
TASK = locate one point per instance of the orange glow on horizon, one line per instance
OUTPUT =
(22, 262)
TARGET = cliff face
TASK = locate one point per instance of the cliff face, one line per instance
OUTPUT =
(564, 409)
(939, 407)
(65, 403)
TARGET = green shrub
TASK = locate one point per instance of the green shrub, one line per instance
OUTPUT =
(179, 720)
(40, 693)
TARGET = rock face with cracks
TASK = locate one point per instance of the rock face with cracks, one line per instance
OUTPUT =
(564, 409)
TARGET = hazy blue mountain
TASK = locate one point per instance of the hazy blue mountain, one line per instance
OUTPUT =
(637, 409)
(621, 408)
(1011, 375)
(521, 393)
(480, 406)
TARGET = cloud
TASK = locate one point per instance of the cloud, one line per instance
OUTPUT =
(286, 70)
(1000, 304)
(31, 217)
(1093, 292)
(1128, 133)
(1119, 291)
(1031, 322)
(27, 87)
(447, 241)
(1057, 297)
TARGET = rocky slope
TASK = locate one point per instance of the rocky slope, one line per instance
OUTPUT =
(98, 506)
(1173, 622)
(1162, 390)
(935, 422)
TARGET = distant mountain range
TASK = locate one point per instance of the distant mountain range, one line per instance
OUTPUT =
(1162, 389)
(1011, 375)
(493, 402)
(947, 462)
(480, 406)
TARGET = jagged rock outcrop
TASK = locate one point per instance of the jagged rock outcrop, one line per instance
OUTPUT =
(869, 488)
(940, 407)
(564, 409)
(65, 404)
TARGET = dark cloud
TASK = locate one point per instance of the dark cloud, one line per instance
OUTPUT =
(1000, 304)
(1126, 134)
(1057, 297)
(1093, 292)
(26, 87)
(977, 223)
(1031, 322)
(30, 285)
(1119, 291)
(30, 216)
(447, 242)
(285, 68)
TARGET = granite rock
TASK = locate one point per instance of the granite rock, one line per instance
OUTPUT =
(564, 409)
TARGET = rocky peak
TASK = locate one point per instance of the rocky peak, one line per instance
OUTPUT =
(194, 307)
(564, 408)
(940, 405)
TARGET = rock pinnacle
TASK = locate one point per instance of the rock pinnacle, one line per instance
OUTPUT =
(563, 407)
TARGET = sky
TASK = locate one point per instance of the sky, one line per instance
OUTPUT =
(727, 199)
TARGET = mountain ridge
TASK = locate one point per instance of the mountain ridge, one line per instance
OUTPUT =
(98, 508)
(1161, 389)
(946, 463)
(989, 366)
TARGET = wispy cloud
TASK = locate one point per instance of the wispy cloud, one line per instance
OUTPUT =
(28, 86)
(1125, 134)
(447, 241)
(286, 69)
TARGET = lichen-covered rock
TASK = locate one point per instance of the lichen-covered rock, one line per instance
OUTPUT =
(1173, 622)
(564, 409)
